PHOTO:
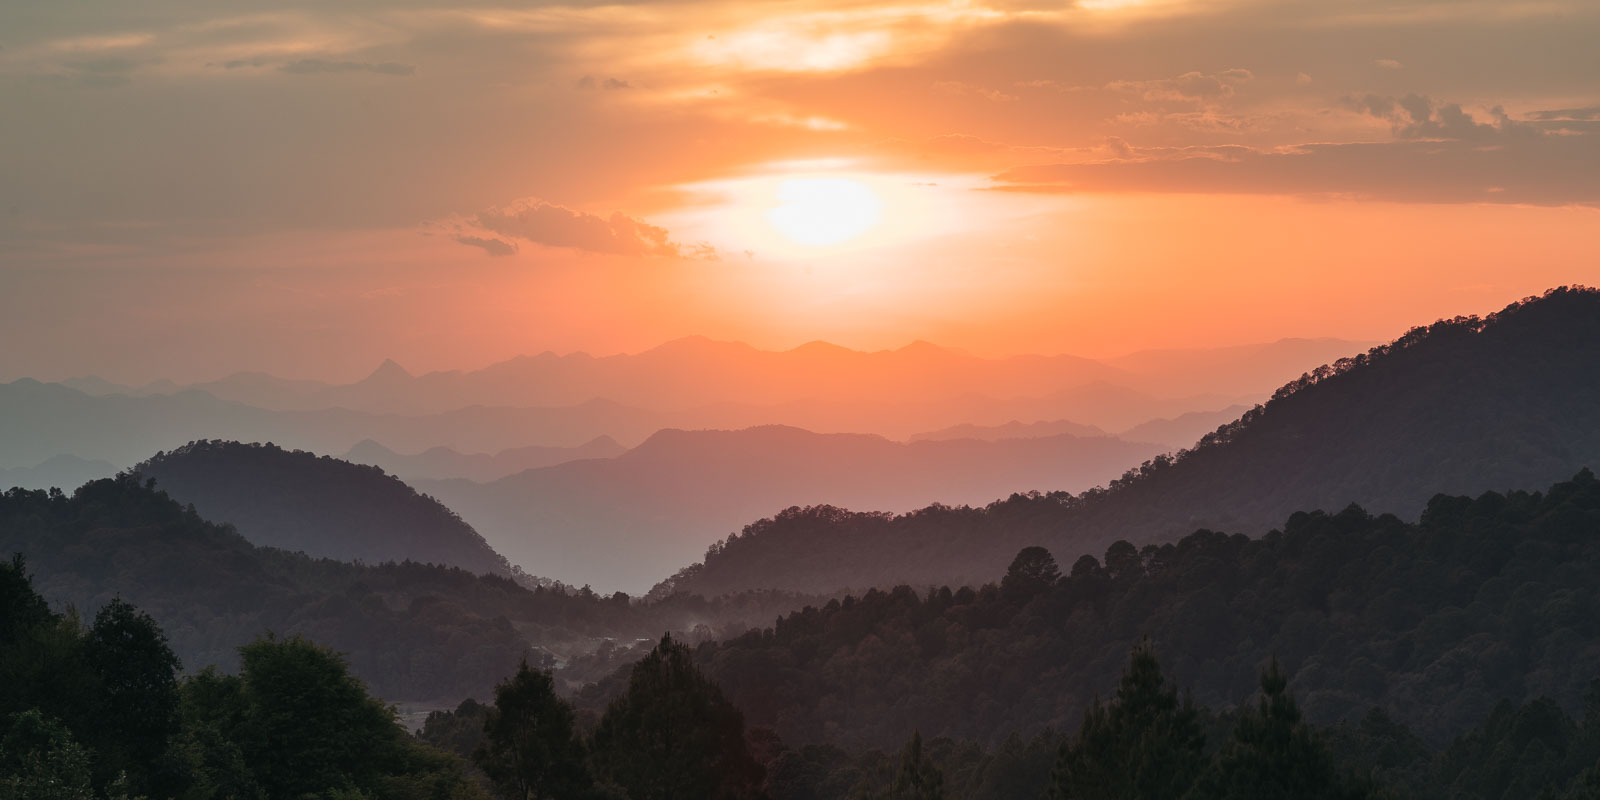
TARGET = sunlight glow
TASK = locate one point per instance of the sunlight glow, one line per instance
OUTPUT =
(824, 211)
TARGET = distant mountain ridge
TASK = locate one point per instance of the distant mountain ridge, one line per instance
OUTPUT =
(324, 507)
(616, 523)
(41, 420)
(61, 472)
(697, 371)
(1183, 430)
(1461, 406)
(442, 463)
(1015, 429)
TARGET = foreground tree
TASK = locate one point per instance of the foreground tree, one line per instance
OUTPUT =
(673, 736)
(1145, 744)
(530, 749)
(40, 761)
(1275, 753)
(138, 702)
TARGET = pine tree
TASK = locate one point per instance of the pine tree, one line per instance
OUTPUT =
(1275, 753)
(1145, 744)
(673, 736)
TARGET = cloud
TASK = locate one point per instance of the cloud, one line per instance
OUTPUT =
(1189, 87)
(490, 244)
(317, 66)
(1590, 114)
(1417, 117)
(591, 83)
(974, 90)
(1441, 154)
(552, 225)
(1388, 63)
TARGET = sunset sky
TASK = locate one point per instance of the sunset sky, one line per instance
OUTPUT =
(194, 187)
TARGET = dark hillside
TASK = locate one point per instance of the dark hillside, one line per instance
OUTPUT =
(319, 505)
(1434, 622)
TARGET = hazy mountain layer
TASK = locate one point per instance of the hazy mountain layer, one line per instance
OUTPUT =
(1461, 406)
(438, 463)
(695, 371)
(62, 472)
(1014, 429)
(40, 420)
(1183, 430)
(619, 523)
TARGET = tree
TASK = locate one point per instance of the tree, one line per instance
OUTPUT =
(1274, 753)
(1032, 571)
(530, 748)
(672, 735)
(917, 778)
(309, 725)
(40, 761)
(21, 608)
(1145, 744)
(138, 701)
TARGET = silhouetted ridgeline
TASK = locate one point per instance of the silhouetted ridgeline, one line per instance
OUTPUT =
(412, 631)
(1460, 406)
(320, 506)
(1434, 622)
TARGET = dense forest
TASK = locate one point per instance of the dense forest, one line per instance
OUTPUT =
(105, 709)
(1147, 740)
(1460, 406)
(412, 631)
(1434, 622)
(319, 505)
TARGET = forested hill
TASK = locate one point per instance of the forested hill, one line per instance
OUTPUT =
(319, 505)
(1434, 622)
(412, 631)
(1460, 406)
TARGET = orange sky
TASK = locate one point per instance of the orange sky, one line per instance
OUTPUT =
(190, 188)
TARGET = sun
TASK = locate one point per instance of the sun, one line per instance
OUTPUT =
(824, 211)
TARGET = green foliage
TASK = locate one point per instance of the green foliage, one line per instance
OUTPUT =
(308, 724)
(530, 749)
(137, 710)
(458, 731)
(1145, 744)
(673, 735)
(39, 760)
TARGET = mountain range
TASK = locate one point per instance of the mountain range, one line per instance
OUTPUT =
(697, 371)
(624, 522)
(1460, 406)
(440, 463)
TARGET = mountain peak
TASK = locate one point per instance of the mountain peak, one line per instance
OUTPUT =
(389, 370)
